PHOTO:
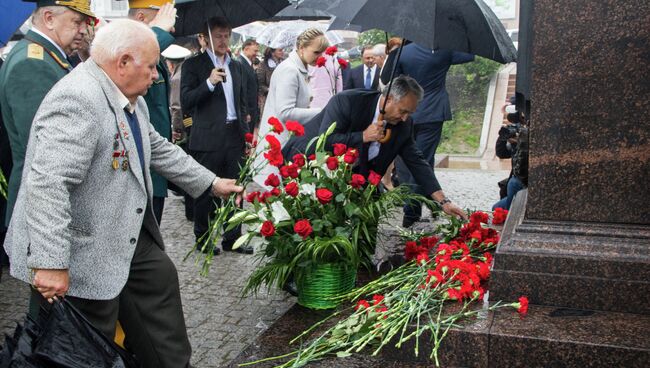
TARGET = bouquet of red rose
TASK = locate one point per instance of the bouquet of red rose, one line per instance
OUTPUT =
(318, 211)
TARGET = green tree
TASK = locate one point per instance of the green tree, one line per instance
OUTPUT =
(372, 37)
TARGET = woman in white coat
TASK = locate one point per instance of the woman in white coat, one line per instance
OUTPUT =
(289, 93)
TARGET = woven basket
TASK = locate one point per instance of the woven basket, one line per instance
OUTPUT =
(317, 286)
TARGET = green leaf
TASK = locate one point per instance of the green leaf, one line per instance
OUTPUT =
(340, 197)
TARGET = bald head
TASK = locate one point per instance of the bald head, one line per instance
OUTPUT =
(128, 53)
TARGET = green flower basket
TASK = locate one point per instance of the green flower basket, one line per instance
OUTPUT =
(318, 286)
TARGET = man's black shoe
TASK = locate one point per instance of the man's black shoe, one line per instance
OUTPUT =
(291, 288)
(244, 249)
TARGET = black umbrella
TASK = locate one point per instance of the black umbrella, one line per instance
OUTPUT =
(461, 25)
(193, 14)
(295, 11)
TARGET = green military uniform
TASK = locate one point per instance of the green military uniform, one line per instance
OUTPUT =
(157, 99)
(32, 67)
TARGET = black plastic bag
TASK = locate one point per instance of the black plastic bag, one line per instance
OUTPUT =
(62, 338)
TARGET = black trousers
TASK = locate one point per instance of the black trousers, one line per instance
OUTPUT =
(225, 164)
(148, 308)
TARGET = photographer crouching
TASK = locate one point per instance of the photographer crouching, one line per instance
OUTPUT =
(513, 143)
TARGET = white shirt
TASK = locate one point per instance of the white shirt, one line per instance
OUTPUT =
(51, 41)
(372, 73)
(373, 150)
(124, 102)
(231, 113)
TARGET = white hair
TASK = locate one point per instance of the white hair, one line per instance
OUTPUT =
(118, 37)
(379, 50)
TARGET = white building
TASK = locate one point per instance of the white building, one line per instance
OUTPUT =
(110, 9)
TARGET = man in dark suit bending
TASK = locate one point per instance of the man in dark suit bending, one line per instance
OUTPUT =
(356, 112)
(213, 93)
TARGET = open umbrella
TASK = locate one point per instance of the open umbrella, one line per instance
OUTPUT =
(284, 34)
(192, 14)
(461, 25)
(14, 13)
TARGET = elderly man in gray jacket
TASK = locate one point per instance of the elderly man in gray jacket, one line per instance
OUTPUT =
(83, 225)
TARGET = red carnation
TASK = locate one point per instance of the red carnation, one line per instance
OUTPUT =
(303, 228)
(274, 143)
(422, 258)
(377, 299)
(267, 229)
(291, 189)
(362, 303)
(324, 195)
(289, 171)
(332, 163)
(357, 181)
(275, 157)
(248, 137)
(499, 216)
(299, 159)
(331, 50)
(522, 306)
(374, 178)
(276, 125)
(320, 62)
(479, 217)
(351, 156)
(339, 149)
(295, 127)
(476, 235)
(343, 63)
(250, 198)
(272, 180)
(312, 157)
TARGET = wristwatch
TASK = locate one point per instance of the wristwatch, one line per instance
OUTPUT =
(444, 201)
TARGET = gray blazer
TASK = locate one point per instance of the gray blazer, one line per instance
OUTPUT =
(73, 210)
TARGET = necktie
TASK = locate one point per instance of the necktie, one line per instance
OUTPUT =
(368, 83)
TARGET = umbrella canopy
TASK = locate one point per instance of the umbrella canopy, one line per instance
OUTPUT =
(193, 14)
(14, 13)
(284, 34)
(461, 25)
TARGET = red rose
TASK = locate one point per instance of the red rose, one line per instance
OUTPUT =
(343, 63)
(479, 217)
(499, 216)
(274, 143)
(324, 195)
(374, 178)
(357, 181)
(331, 50)
(295, 127)
(272, 180)
(320, 62)
(351, 156)
(275, 157)
(291, 189)
(250, 198)
(276, 125)
(274, 192)
(293, 171)
(339, 149)
(267, 229)
(299, 159)
(332, 163)
(248, 137)
(303, 228)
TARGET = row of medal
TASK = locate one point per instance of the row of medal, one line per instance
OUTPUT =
(117, 153)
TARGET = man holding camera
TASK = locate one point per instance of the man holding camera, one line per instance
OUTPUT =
(513, 143)
(213, 93)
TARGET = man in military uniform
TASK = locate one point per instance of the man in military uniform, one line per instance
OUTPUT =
(32, 67)
(160, 15)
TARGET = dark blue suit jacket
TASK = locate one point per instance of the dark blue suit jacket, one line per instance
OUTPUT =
(356, 79)
(353, 111)
(429, 69)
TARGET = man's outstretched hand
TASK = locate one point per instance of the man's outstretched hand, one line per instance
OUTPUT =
(453, 210)
(224, 187)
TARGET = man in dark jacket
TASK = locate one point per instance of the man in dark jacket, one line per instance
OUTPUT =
(248, 54)
(160, 15)
(356, 112)
(213, 93)
(429, 68)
